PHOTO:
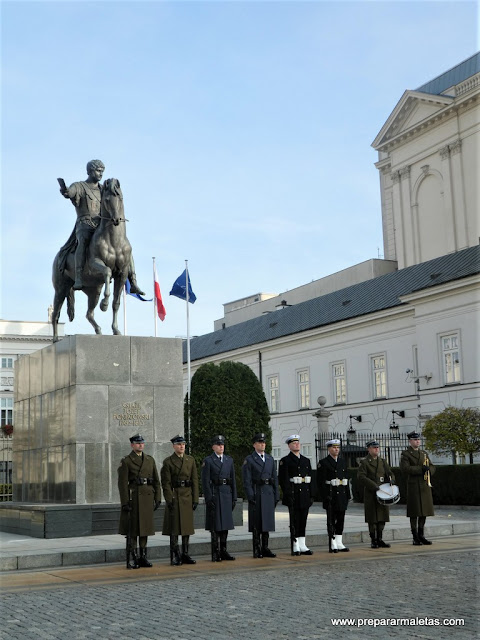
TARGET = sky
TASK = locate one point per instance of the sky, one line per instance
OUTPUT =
(240, 132)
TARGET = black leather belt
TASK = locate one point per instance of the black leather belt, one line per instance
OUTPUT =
(144, 480)
(181, 483)
(265, 481)
(222, 481)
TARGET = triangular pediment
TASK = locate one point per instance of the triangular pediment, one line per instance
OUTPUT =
(413, 109)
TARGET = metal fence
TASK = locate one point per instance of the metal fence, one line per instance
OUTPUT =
(353, 447)
(6, 450)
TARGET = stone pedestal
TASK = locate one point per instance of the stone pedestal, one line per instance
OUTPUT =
(78, 401)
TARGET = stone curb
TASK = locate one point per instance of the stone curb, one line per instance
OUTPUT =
(50, 560)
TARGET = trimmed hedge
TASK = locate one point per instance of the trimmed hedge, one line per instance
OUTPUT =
(6, 491)
(452, 485)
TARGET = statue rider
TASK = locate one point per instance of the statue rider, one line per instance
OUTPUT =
(86, 197)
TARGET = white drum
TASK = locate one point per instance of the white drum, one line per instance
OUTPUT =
(388, 494)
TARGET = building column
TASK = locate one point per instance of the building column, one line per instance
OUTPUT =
(322, 416)
(458, 195)
(398, 219)
(448, 198)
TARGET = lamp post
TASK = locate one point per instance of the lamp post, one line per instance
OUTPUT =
(393, 424)
(351, 431)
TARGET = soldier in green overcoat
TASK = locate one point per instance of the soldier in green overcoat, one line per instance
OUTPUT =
(373, 472)
(180, 488)
(140, 496)
(414, 463)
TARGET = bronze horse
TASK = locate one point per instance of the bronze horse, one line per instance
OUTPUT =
(108, 256)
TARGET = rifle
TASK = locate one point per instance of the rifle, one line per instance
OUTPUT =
(213, 533)
(256, 537)
(130, 550)
(291, 513)
(330, 524)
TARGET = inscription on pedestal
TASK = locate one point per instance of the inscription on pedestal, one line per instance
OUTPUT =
(132, 415)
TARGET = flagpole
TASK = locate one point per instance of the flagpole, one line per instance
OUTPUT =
(124, 311)
(188, 356)
(154, 300)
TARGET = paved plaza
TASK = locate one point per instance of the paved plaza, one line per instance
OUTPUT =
(286, 598)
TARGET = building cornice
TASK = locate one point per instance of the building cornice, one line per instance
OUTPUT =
(448, 107)
(442, 290)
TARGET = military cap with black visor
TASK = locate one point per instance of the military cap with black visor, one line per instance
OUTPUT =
(416, 465)
(220, 491)
(260, 483)
(140, 496)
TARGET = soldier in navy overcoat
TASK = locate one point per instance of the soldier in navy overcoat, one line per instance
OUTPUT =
(260, 483)
(295, 479)
(220, 491)
(334, 492)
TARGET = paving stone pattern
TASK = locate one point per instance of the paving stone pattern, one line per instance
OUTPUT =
(286, 603)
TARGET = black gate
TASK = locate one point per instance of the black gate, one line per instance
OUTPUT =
(353, 447)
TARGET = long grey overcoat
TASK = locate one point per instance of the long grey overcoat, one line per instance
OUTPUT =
(143, 497)
(371, 474)
(175, 470)
(261, 515)
(214, 473)
(419, 494)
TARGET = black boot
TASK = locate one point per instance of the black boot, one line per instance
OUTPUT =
(186, 559)
(133, 561)
(224, 555)
(257, 550)
(266, 553)
(422, 538)
(380, 541)
(175, 557)
(215, 545)
(374, 543)
(142, 561)
(416, 540)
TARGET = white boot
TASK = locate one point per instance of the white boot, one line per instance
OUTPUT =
(333, 545)
(339, 543)
(296, 547)
(304, 550)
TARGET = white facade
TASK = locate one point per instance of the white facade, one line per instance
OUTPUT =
(18, 338)
(429, 166)
(418, 357)
(297, 369)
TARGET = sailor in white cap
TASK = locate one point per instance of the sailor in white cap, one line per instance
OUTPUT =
(295, 479)
(334, 493)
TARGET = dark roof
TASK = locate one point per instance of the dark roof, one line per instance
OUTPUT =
(357, 300)
(457, 74)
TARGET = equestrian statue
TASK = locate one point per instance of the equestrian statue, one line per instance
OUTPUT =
(97, 251)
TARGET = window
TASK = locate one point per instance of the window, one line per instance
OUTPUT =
(273, 391)
(451, 358)
(6, 409)
(277, 452)
(303, 382)
(379, 376)
(7, 363)
(339, 383)
(306, 450)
